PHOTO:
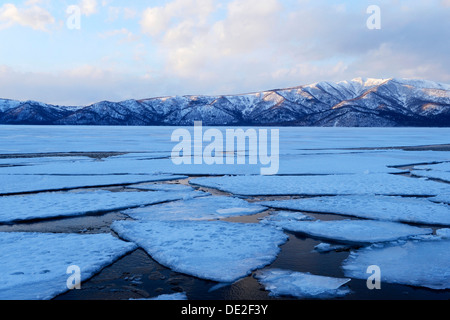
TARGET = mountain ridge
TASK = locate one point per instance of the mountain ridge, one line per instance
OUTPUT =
(360, 102)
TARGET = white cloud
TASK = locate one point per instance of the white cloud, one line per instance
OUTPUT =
(33, 2)
(124, 33)
(265, 44)
(88, 7)
(31, 16)
(157, 19)
(82, 85)
(129, 13)
(197, 46)
(115, 13)
(154, 21)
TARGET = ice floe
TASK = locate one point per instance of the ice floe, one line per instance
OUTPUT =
(290, 163)
(301, 285)
(13, 184)
(63, 204)
(382, 184)
(37, 160)
(136, 138)
(34, 265)
(433, 174)
(114, 166)
(285, 215)
(353, 231)
(442, 198)
(444, 166)
(412, 210)
(327, 247)
(204, 208)
(439, 171)
(415, 263)
(444, 233)
(357, 162)
(215, 250)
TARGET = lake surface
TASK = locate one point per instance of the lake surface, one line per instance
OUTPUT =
(53, 155)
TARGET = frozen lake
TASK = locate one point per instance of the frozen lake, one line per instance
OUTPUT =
(145, 226)
(30, 139)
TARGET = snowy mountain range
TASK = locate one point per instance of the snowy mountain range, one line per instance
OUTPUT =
(356, 103)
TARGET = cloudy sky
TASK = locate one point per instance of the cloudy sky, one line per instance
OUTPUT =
(143, 49)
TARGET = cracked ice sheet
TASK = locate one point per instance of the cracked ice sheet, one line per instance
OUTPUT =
(445, 166)
(358, 162)
(439, 171)
(10, 184)
(412, 210)
(442, 198)
(51, 205)
(34, 264)
(301, 285)
(214, 250)
(444, 233)
(415, 263)
(40, 160)
(338, 163)
(205, 208)
(15, 139)
(433, 174)
(353, 231)
(92, 166)
(360, 184)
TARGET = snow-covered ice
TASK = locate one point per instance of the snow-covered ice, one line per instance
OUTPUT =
(291, 163)
(34, 265)
(415, 263)
(31, 161)
(442, 198)
(358, 162)
(432, 174)
(61, 204)
(109, 166)
(215, 250)
(439, 171)
(444, 166)
(353, 231)
(37, 139)
(301, 285)
(204, 208)
(136, 139)
(32, 183)
(444, 233)
(218, 250)
(412, 210)
(383, 184)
